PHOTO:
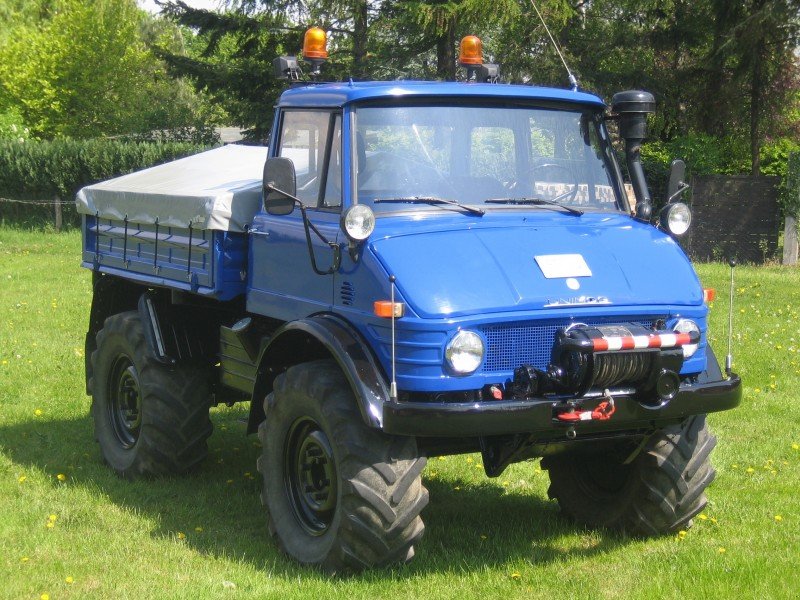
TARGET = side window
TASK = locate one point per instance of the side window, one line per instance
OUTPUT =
(304, 139)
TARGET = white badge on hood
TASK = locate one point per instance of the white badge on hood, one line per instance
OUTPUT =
(559, 266)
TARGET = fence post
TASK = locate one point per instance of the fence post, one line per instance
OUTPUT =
(790, 242)
(59, 214)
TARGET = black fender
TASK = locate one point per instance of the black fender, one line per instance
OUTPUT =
(317, 337)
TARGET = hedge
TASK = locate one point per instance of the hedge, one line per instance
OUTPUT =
(50, 170)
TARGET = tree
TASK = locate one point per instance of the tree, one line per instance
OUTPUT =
(83, 70)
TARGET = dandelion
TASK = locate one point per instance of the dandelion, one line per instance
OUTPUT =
(702, 517)
(69, 580)
(24, 559)
(795, 446)
(22, 478)
(38, 412)
(750, 470)
(469, 459)
(681, 534)
(714, 520)
(757, 390)
(483, 536)
(778, 518)
(44, 596)
(721, 550)
(181, 535)
(515, 575)
(61, 477)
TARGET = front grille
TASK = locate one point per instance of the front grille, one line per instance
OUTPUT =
(510, 345)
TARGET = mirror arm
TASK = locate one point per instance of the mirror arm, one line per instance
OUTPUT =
(337, 251)
(309, 226)
(682, 188)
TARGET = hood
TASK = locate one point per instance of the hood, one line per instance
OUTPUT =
(604, 261)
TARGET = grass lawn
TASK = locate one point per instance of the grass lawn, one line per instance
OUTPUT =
(70, 529)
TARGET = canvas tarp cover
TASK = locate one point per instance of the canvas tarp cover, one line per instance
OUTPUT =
(218, 189)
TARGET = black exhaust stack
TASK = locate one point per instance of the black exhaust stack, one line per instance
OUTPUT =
(632, 108)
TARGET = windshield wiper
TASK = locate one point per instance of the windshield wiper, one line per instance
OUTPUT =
(532, 200)
(431, 200)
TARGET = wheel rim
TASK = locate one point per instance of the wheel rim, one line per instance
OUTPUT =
(310, 476)
(125, 402)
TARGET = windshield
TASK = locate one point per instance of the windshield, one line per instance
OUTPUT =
(494, 156)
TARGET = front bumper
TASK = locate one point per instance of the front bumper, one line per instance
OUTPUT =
(501, 417)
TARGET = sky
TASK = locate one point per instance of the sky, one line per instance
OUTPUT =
(150, 5)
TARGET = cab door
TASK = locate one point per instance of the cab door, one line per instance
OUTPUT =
(282, 282)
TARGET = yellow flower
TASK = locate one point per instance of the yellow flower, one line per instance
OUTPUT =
(713, 519)
(458, 487)
(750, 470)
(69, 580)
(795, 446)
(483, 537)
(52, 518)
(50, 524)
(61, 477)
(515, 575)
(469, 459)
(778, 518)
(24, 559)
(38, 412)
(22, 478)
(181, 535)
(702, 516)
(681, 534)
(721, 550)
(44, 596)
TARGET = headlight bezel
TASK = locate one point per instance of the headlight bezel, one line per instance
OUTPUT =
(671, 220)
(684, 325)
(350, 222)
(465, 352)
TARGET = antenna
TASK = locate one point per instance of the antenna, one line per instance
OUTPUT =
(572, 80)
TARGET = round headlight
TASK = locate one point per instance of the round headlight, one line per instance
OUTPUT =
(464, 352)
(676, 218)
(687, 326)
(358, 222)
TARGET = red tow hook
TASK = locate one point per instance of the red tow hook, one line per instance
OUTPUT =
(602, 412)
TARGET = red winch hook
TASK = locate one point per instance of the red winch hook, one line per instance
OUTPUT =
(602, 412)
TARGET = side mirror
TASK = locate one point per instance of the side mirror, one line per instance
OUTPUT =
(280, 186)
(677, 180)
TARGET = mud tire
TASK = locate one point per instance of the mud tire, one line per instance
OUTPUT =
(368, 513)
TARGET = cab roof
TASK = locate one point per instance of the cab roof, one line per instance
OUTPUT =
(339, 94)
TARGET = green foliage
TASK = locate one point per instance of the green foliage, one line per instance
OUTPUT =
(44, 170)
(84, 70)
(12, 127)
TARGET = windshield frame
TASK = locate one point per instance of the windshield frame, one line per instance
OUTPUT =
(596, 114)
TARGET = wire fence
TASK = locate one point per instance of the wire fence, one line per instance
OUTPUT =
(39, 212)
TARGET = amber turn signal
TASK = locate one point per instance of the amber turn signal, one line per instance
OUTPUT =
(470, 52)
(387, 309)
(314, 44)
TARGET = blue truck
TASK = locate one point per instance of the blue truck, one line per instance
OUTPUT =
(413, 269)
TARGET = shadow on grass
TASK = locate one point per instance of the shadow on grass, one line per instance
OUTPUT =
(469, 525)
